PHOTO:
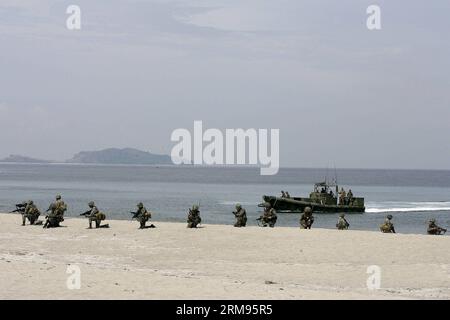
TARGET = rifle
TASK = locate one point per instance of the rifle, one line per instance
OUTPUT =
(346, 223)
(259, 221)
(135, 215)
(19, 208)
(86, 213)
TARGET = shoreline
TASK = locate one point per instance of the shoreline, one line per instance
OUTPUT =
(217, 262)
(250, 224)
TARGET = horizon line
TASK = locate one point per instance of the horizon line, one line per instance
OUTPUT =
(195, 166)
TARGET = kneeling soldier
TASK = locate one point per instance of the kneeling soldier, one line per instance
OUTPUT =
(194, 219)
(307, 219)
(387, 226)
(269, 217)
(142, 215)
(241, 216)
(95, 215)
(54, 218)
(31, 213)
(342, 223)
(434, 229)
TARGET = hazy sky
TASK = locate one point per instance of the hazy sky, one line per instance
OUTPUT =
(340, 94)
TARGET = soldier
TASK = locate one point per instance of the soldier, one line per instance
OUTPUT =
(350, 197)
(53, 219)
(142, 215)
(269, 217)
(307, 219)
(342, 223)
(283, 195)
(288, 195)
(60, 206)
(56, 216)
(95, 215)
(434, 229)
(387, 226)
(31, 213)
(342, 196)
(194, 219)
(241, 216)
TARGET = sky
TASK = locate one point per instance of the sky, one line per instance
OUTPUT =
(340, 94)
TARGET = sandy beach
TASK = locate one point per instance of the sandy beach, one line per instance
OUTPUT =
(217, 262)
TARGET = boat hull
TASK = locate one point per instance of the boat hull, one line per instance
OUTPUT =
(298, 205)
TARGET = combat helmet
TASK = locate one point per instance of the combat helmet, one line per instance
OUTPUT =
(389, 216)
(432, 220)
(140, 205)
(307, 210)
(342, 215)
(91, 204)
(58, 197)
(195, 207)
(238, 206)
(30, 202)
(267, 205)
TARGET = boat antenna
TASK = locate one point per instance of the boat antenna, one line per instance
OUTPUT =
(336, 179)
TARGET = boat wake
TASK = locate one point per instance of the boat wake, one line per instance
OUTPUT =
(408, 207)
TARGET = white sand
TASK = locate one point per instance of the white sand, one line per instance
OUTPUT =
(217, 262)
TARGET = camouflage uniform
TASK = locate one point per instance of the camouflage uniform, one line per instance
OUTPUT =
(350, 197)
(342, 196)
(342, 223)
(269, 217)
(142, 215)
(194, 217)
(434, 229)
(61, 207)
(31, 213)
(95, 215)
(56, 216)
(387, 226)
(241, 216)
(53, 219)
(307, 219)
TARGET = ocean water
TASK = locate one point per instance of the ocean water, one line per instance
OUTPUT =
(411, 196)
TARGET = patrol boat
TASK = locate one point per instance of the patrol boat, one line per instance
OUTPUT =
(321, 200)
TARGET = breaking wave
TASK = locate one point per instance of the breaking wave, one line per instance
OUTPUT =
(408, 207)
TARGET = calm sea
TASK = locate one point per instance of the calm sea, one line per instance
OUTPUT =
(411, 196)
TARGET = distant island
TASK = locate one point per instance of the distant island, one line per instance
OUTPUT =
(120, 156)
(21, 159)
(106, 156)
